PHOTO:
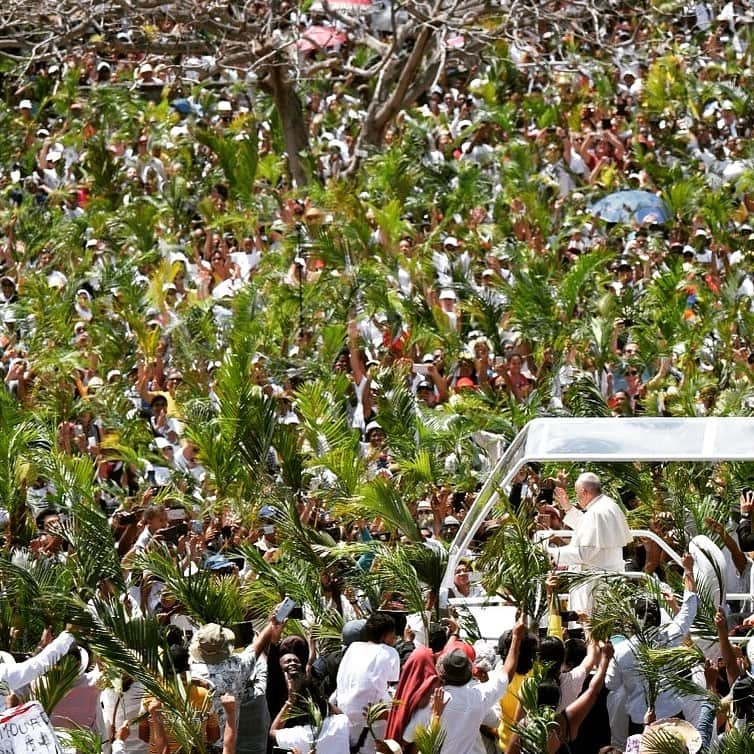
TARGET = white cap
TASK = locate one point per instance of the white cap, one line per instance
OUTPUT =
(223, 106)
(57, 279)
(54, 155)
(451, 241)
(177, 131)
(448, 294)
(24, 104)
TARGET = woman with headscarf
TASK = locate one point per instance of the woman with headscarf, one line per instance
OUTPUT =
(417, 681)
(83, 305)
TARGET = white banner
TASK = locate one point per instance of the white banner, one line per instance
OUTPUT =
(26, 730)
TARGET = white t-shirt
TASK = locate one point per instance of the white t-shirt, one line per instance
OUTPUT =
(333, 738)
(364, 674)
(466, 709)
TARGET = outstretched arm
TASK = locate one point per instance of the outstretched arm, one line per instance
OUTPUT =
(23, 673)
(577, 710)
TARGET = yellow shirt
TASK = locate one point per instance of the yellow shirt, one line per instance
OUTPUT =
(199, 698)
(509, 709)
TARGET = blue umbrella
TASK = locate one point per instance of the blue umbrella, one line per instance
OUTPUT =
(630, 206)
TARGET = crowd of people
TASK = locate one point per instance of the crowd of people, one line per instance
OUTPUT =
(224, 390)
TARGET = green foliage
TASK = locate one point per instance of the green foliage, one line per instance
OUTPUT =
(206, 597)
(430, 740)
(515, 567)
(56, 683)
(238, 159)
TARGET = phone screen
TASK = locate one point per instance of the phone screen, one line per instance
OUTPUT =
(285, 609)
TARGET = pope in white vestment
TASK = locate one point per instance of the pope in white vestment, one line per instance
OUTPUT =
(600, 532)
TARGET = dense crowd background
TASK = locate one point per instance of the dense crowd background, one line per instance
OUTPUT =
(222, 388)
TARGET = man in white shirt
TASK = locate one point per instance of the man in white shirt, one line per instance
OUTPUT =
(332, 737)
(364, 677)
(467, 700)
(16, 676)
(622, 676)
(600, 534)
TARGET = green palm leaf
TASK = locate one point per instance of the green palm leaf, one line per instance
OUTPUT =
(516, 567)
(50, 689)
(382, 498)
(205, 597)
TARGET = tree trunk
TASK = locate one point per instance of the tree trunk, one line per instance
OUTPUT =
(404, 87)
(291, 114)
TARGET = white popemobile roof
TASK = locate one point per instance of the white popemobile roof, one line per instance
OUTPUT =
(610, 440)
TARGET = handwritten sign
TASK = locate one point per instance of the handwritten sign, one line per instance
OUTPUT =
(26, 730)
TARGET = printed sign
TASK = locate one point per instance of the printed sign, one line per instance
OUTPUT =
(26, 730)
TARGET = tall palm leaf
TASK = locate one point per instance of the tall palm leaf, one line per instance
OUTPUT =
(205, 597)
(393, 571)
(515, 567)
(50, 689)
(430, 740)
(380, 497)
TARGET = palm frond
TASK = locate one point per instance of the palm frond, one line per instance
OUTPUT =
(50, 689)
(584, 398)
(581, 277)
(238, 158)
(516, 568)
(540, 722)
(430, 740)
(205, 597)
(668, 669)
(380, 497)
(394, 572)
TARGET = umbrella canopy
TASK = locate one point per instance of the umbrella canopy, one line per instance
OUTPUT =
(347, 7)
(320, 37)
(351, 6)
(630, 206)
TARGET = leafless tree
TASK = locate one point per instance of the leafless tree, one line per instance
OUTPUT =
(407, 44)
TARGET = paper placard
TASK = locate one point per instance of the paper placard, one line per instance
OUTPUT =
(26, 729)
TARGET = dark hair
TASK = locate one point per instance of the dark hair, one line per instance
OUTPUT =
(179, 660)
(575, 652)
(377, 626)
(647, 609)
(552, 654)
(45, 514)
(438, 636)
(527, 651)
(548, 693)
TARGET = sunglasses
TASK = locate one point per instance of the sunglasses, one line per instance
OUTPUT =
(632, 373)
